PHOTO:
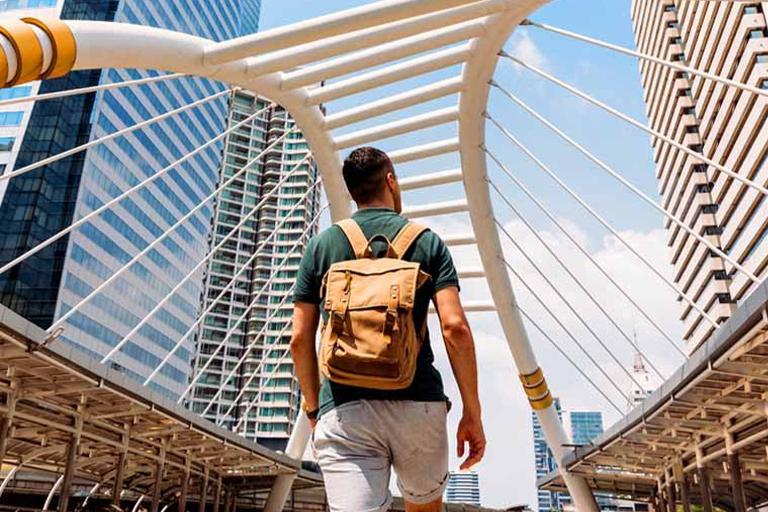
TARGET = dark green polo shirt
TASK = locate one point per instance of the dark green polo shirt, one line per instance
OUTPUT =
(332, 246)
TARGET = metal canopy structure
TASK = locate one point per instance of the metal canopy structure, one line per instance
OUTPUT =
(56, 399)
(126, 433)
(687, 432)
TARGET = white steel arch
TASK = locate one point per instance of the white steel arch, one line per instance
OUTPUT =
(398, 29)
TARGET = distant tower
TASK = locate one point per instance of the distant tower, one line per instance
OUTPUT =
(642, 376)
(463, 487)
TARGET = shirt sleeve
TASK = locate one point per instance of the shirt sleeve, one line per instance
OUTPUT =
(308, 282)
(443, 272)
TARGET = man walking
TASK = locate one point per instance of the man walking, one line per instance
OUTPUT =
(379, 403)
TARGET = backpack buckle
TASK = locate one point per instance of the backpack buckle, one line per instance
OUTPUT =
(390, 324)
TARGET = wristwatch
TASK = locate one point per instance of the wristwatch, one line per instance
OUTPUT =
(311, 414)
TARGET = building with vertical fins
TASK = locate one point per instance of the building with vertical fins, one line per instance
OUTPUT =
(40, 203)
(251, 319)
(463, 487)
(723, 123)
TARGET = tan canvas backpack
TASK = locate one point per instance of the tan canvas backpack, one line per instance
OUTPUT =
(370, 339)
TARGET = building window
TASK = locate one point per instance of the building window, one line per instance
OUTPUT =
(15, 92)
(689, 111)
(6, 143)
(673, 24)
(764, 83)
(670, 8)
(752, 9)
(756, 34)
(676, 40)
(761, 58)
(10, 118)
(678, 57)
(691, 129)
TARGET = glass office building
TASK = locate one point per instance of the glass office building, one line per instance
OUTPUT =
(545, 463)
(249, 320)
(463, 487)
(41, 203)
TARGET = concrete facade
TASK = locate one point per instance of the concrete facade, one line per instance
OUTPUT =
(723, 123)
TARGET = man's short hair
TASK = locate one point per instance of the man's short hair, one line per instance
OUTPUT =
(365, 171)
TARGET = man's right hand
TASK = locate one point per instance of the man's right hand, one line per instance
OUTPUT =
(470, 433)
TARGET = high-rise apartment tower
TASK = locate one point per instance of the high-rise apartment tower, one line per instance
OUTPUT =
(276, 201)
(724, 124)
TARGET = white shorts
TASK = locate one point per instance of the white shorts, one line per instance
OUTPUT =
(358, 443)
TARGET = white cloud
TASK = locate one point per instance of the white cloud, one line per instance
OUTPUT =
(507, 474)
(522, 46)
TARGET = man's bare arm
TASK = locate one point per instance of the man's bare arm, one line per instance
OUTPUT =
(461, 352)
(305, 320)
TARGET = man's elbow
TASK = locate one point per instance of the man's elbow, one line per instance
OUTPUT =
(297, 344)
(456, 331)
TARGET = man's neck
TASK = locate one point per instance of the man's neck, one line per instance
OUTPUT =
(375, 204)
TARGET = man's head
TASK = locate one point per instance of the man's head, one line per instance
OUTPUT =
(371, 180)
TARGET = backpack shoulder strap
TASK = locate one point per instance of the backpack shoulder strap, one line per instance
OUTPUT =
(406, 237)
(355, 236)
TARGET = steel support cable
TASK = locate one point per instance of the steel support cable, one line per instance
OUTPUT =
(568, 358)
(112, 202)
(568, 303)
(256, 371)
(93, 88)
(263, 288)
(608, 226)
(157, 241)
(649, 58)
(565, 267)
(113, 135)
(557, 320)
(253, 304)
(637, 124)
(581, 248)
(231, 283)
(605, 167)
(245, 313)
(270, 376)
(191, 273)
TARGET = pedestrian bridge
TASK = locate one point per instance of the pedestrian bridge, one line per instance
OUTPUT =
(83, 420)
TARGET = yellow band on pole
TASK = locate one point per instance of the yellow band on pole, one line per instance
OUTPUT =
(29, 52)
(537, 389)
(3, 68)
(63, 43)
(543, 402)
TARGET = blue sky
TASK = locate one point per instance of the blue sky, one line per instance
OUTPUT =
(507, 472)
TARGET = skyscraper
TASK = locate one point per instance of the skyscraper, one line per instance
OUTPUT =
(723, 123)
(40, 203)
(545, 463)
(247, 330)
(463, 487)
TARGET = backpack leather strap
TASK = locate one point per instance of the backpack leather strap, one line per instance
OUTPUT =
(406, 237)
(355, 236)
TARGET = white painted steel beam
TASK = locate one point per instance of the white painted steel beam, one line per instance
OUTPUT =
(424, 151)
(471, 273)
(434, 209)
(313, 52)
(430, 180)
(459, 240)
(370, 15)
(388, 75)
(394, 103)
(400, 127)
(382, 54)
